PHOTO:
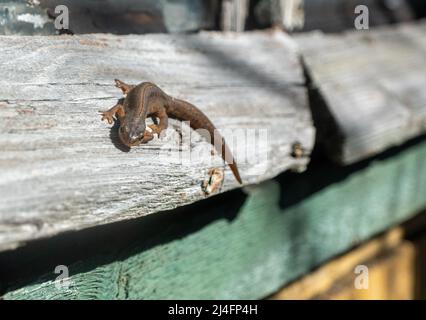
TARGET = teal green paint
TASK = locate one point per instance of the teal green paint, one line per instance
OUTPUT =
(283, 229)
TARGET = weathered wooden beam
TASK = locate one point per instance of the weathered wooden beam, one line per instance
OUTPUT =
(233, 15)
(246, 248)
(372, 83)
(61, 167)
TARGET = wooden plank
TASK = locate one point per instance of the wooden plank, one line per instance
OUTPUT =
(233, 15)
(292, 14)
(322, 280)
(416, 233)
(241, 246)
(287, 14)
(340, 15)
(391, 277)
(391, 273)
(420, 244)
(329, 15)
(373, 86)
(401, 263)
(59, 166)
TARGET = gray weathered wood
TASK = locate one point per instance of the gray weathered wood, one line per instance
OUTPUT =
(59, 169)
(373, 84)
(234, 15)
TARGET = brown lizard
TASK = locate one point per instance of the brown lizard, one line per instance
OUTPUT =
(148, 100)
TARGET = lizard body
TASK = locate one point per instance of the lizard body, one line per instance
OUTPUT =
(148, 100)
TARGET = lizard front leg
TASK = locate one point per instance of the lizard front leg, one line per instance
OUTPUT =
(124, 87)
(163, 124)
(147, 136)
(117, 110)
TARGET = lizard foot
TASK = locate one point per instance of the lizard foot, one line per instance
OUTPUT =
(157, 130)
(147, 136)
(124, 87)
(107, 115)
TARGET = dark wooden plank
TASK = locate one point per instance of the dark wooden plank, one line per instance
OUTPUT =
(36, 17)
(372, 84)
(337, 15)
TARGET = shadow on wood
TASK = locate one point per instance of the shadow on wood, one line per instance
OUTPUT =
(287, 223)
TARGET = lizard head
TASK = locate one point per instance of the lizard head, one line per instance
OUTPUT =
(132, 134)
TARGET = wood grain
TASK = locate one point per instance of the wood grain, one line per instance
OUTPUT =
(247, 247)
(62, 169)
(372, 83)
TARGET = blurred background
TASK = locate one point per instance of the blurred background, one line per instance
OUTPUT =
(394, 251)
(33, 17)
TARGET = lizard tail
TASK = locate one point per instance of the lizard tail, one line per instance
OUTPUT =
(234, 170)
(229, 159)
(186, 111)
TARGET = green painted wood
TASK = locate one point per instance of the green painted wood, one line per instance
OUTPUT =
(250, 247)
